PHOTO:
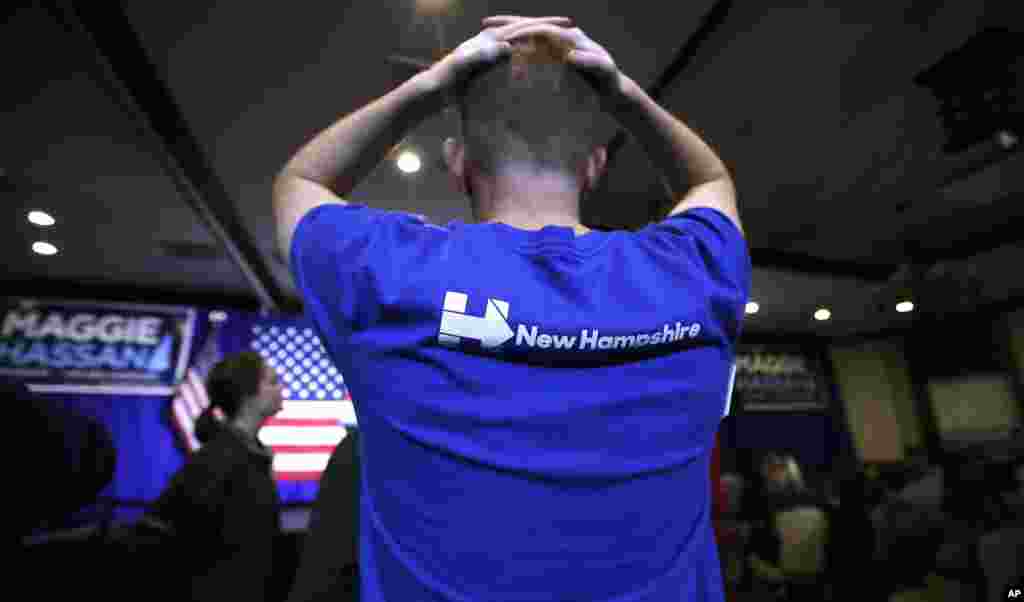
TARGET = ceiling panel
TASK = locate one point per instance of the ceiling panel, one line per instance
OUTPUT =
(788, 302)
(79, 158)
(997, 273)
(815, 110)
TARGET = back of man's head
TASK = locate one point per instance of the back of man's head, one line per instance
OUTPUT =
(533, 109)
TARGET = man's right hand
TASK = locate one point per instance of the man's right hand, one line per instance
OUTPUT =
(584, 53)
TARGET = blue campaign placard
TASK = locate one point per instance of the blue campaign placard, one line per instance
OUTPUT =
(94, 347)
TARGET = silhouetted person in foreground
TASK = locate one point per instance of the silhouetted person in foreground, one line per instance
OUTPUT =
(328, 564)
(72, 458)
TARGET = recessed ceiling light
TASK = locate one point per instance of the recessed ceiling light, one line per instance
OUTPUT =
(905, 306)
(218, 316)
(753, 308)
(409, 162)
(44, 248)
(1007, 139)
(433, 7)
(41, 218)
(822, 314)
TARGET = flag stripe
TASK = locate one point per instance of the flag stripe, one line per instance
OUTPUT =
(298, 409)
(182, 419)
(198, 389)
(309, 435)
(303, 449)
(312, 475)
(184, 427)
(275, 421)
(301, 462)
(189, 403)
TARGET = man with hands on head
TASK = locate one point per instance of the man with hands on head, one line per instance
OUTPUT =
(537, 402)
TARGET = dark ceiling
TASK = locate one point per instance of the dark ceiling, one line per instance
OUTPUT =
(151, 131)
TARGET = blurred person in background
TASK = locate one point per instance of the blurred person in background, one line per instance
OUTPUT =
(782, 490)
(220, 513)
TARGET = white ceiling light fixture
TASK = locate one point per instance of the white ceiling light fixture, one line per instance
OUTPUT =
(1007, 139)
(434, 7)
(44, 248)
(218, 316)
(409, 162)
(905, 307)
(752, 308)
(822, 314)
(41, 218)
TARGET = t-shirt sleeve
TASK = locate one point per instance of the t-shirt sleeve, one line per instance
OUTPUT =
(348, 262)
(706, 243)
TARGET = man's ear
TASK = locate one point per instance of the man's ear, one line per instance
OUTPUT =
(455, 160)
(595, 167)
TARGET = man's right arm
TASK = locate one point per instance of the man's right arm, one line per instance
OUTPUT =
(692, 173)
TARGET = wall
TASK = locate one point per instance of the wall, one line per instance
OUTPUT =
(970, 373)
(898, 374)
(976, 403)
(874, 386)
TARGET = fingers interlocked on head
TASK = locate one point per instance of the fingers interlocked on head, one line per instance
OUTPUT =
(532, 108)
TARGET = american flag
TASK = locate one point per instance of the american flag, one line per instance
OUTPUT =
(190, 397)
(316, 410)
(317, 407)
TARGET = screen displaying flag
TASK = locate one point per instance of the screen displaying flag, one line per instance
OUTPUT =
(316, 410)
(317, 407)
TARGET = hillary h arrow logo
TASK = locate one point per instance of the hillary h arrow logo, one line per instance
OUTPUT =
(492, 330)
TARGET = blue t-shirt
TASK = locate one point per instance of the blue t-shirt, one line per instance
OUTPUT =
(537, 408)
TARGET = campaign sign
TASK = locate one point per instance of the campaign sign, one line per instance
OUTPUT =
(779, 378)
(91, 347)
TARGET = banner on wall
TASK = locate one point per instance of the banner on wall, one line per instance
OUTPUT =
(779, 379)
(94, 347)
